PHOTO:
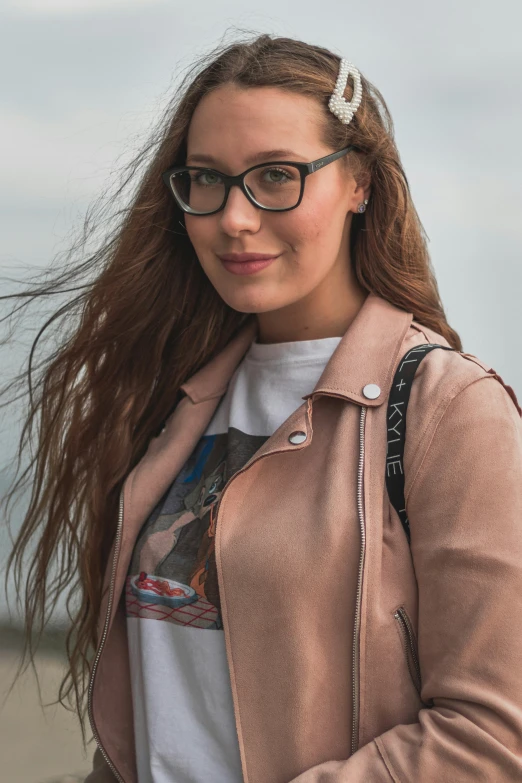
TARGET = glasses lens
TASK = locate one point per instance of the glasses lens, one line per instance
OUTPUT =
(202, 190)
(276, 187)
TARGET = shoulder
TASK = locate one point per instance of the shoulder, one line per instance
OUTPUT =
(456, 388)
(443, 374)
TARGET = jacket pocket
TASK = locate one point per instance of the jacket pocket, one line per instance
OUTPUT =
(409, 644)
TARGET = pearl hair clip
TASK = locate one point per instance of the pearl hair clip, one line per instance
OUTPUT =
(337, 104)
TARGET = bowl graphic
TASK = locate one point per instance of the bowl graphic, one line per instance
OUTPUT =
(159, 590)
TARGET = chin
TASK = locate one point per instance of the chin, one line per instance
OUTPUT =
(249, 304)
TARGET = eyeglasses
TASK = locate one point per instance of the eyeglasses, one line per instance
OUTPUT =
(277, 186)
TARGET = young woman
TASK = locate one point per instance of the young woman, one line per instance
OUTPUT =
(212, 458)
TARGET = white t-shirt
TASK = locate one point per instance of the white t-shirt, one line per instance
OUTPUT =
(182, 700)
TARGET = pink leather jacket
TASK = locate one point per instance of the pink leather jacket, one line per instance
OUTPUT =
(353, 658)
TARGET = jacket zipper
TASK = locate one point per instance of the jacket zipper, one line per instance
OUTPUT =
(360, 506)
(407, 631)
(102, 643)
(357, 624)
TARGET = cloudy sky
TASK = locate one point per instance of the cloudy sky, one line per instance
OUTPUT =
(83, 81)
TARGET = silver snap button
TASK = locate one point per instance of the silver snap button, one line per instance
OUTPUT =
(371, 391)
(297, 437)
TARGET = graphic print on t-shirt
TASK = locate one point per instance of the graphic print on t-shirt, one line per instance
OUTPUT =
(172, 574)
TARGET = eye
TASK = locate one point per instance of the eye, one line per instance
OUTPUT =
(277, 176)
(213, 178)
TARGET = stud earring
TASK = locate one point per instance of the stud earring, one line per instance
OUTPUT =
(362, 206)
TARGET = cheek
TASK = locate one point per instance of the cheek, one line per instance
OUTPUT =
(316, 222)
(201, 231)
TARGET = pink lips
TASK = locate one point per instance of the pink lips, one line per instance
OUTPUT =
(246, 263)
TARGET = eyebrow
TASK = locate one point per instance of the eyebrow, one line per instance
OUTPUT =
(259, 157)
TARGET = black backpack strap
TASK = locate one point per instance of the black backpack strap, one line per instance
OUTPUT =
(396, 426)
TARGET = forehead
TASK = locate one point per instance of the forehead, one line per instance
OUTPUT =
(232, 123)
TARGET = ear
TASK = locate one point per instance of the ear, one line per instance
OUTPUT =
(363, 188)
(360, 191)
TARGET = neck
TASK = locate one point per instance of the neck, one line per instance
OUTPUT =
(299, 322)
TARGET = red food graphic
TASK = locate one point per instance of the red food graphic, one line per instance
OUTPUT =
(156, 586)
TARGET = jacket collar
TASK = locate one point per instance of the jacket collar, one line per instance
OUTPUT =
(367, 354)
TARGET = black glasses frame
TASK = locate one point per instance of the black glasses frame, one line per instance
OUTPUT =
(228, 180)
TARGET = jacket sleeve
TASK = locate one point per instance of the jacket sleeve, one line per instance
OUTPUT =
(465, 511)
(101, 772)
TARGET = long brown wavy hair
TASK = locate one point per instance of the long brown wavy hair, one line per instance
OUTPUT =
(144, 317)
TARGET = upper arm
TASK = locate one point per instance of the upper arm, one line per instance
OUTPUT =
(465, 512)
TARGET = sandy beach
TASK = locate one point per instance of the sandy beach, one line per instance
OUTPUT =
(38, 745)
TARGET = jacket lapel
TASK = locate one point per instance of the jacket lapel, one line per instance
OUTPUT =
(367, 354)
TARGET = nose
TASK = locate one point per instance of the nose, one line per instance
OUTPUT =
(239, 214)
